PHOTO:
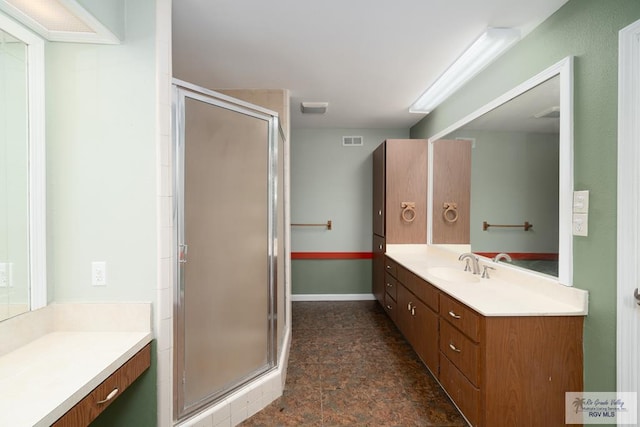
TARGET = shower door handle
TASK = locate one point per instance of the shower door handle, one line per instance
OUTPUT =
(636, 296)
(182, 253)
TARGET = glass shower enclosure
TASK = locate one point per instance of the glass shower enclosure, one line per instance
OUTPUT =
(226, 164)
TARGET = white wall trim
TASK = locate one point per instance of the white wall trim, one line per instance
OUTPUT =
(37, 163)
(628, 211)
(332, 297)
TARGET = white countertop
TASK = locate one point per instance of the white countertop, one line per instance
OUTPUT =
(509, 291)
(52, 358)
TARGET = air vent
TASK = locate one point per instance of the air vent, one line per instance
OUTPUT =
(352, 141)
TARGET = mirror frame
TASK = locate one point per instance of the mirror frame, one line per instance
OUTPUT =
(564, 69)
(37, 171)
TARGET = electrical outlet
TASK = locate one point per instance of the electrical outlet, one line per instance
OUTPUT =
(99, 273)
(580, 224)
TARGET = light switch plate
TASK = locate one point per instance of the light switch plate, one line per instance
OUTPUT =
(580, 224)
(581, 201)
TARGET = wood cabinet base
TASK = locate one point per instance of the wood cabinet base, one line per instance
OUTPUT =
(88, 409)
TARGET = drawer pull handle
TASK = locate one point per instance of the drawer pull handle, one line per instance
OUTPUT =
(409, 306)
(389, 285)
(389, 307)
(109, 396)
(388, 267)
(454, 348)
(452, 314)
(413, 311)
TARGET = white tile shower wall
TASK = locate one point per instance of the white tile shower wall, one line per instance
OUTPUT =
(164, 317)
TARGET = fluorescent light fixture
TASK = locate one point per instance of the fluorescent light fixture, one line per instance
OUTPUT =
(491, 44)
(61, 20)
(314, 107)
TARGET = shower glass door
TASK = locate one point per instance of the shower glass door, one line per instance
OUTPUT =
(226, 177)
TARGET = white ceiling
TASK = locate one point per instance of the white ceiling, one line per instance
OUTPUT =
(370, 59)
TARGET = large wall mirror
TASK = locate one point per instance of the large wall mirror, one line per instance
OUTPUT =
(521, 173)
(22, 182)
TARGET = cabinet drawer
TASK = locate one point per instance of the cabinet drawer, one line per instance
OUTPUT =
(461, 316)
(461, 351)
(97, 401)
(420, 287)
(390, 266)
(464, 394)
(391, 286)
(390, 307)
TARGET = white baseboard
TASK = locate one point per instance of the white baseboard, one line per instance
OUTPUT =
(332, 297)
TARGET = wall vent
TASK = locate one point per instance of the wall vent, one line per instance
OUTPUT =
(352, 141)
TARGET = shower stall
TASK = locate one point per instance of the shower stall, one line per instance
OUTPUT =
(229, 297)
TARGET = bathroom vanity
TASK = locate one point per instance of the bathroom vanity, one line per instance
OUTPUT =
(505, 348)
(64, 364)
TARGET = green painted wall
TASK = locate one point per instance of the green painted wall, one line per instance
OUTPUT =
(588, 30)
(332, 182)
(340, 276)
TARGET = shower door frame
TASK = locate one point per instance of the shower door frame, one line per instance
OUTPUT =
(181, 91)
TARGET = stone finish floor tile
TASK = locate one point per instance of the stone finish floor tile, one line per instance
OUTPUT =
(350, 366)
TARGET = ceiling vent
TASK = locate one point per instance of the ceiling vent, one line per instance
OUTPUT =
(314, 107)
(352, 141)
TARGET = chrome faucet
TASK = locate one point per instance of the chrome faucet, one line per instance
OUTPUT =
(503, 256)
(474, 262)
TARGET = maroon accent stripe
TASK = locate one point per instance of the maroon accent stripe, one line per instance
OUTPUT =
(531, 256)
(331, 255)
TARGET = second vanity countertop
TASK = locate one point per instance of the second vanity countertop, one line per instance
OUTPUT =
(51, 358)
(509, 292)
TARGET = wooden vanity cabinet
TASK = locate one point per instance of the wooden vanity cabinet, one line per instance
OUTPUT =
(417, 316)
(511, 370)
(88, 409)
(499, 371)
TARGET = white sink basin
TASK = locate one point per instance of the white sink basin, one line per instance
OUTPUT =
(453, 275)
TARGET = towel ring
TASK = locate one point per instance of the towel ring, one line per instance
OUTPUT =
(408, 211)
(450, 213)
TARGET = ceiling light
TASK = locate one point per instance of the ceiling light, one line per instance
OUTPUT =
(61, 20)
(314, 107)
(491, 44)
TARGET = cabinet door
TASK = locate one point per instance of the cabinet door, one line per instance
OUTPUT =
(406, 182)
(451, 191)
(405, 300)
(378, 189)
(378, 265)
(425, 340)
(419, 325)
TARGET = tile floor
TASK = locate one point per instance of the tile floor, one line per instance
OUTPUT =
(349, 365)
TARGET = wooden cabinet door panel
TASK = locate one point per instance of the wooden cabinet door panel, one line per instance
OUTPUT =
(391, 286)
(425, 322)
(379, 190)
(464, 394)
(406, 181)
(421, 288)
(378, 268)
(460, 350)
(460, 316)
(452, 173)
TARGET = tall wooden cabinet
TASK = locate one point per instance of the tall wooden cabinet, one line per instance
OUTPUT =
(399, 200)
